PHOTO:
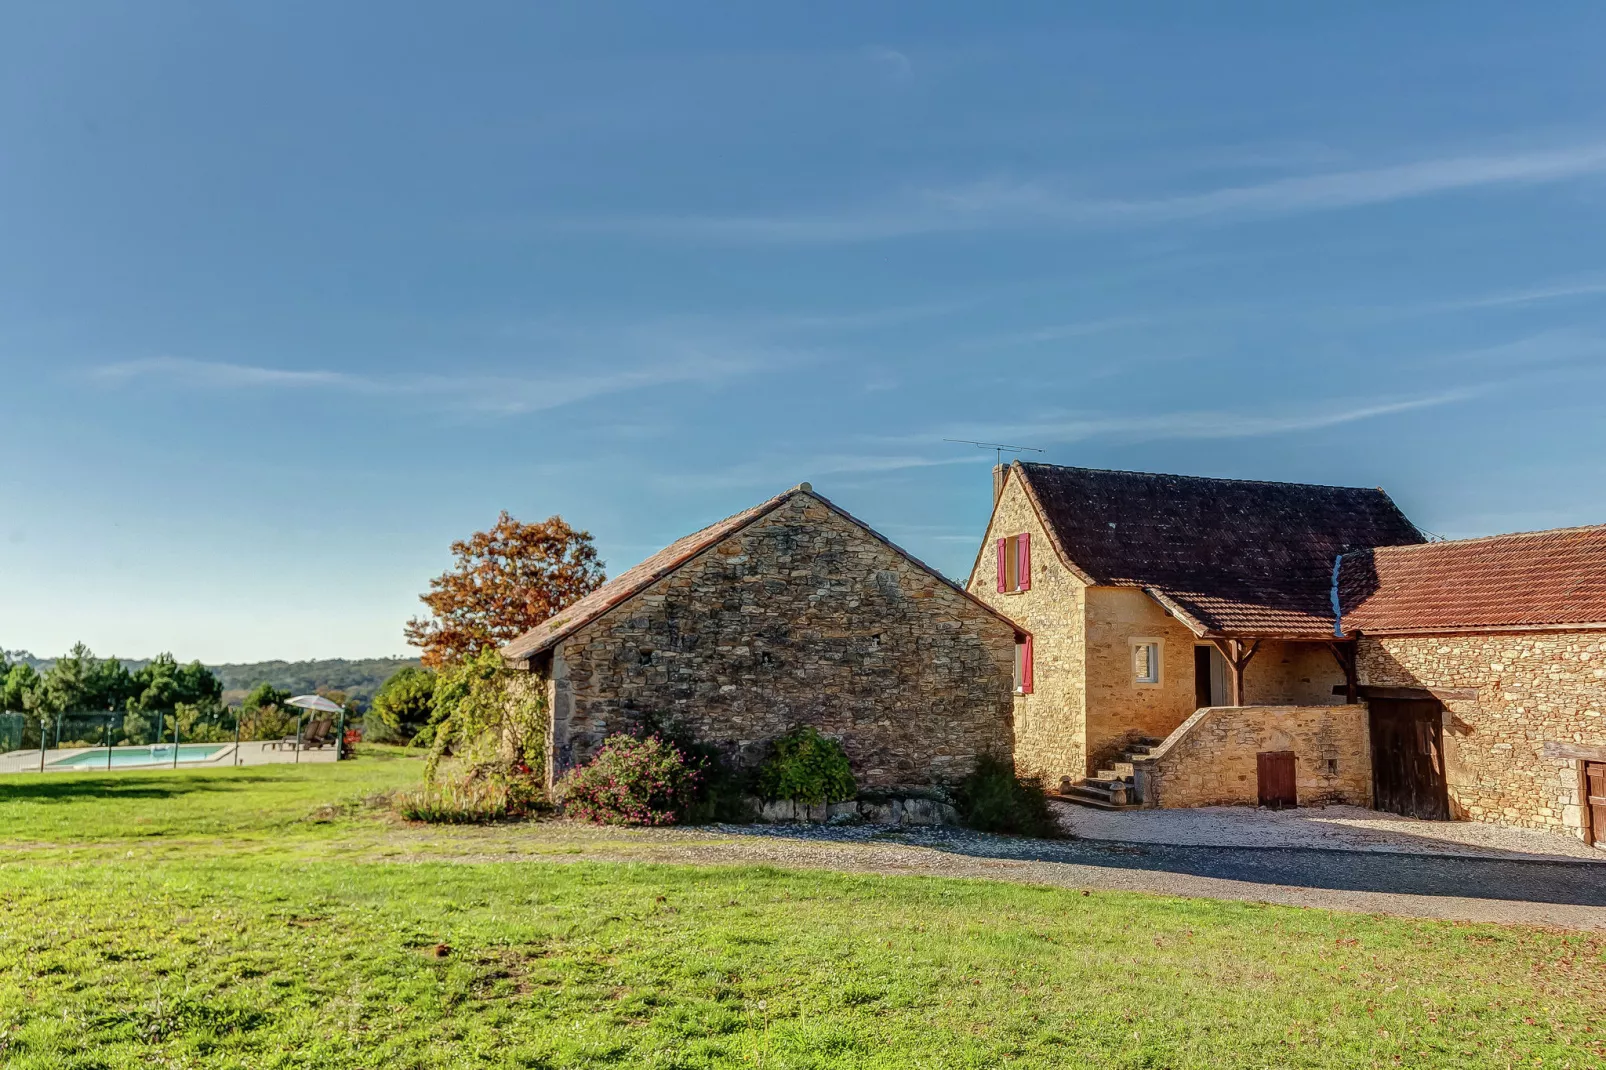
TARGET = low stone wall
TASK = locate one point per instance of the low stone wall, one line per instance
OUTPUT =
(1210, 760)
(869, 810)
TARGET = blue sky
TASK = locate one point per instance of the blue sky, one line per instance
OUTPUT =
(293, 294)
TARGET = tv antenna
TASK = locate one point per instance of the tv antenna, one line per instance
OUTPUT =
(999, 447)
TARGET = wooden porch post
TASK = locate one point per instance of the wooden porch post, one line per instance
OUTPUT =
(1237, 656)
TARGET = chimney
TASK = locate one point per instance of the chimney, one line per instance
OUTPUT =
(1000, 471)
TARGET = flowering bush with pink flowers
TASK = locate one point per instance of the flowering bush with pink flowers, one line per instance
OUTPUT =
(632, 782)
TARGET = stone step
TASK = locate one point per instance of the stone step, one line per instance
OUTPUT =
(1117, 770)
(1086, 794)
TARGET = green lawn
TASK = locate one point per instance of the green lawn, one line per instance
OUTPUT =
(254, 919)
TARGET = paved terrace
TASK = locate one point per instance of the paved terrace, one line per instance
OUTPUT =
(250, 753)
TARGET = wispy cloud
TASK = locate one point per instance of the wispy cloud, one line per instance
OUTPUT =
(781, 471)
(1056, 332)
(1059, 428)
(1009, 204)
(1524, 296)
(491, 394)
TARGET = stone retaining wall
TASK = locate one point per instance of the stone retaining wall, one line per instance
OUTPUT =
(1211, 759)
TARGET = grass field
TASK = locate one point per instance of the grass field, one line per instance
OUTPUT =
(260, 918)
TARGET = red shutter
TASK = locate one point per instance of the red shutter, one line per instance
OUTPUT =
(1026, 667)
(1001, 550)
(1025, 565)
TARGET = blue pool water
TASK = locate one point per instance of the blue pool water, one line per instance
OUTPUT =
(161, 754)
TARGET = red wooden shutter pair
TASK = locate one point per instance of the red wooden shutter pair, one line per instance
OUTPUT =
(1023, 563)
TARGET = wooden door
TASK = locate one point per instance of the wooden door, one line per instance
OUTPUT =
(1408, 758)
(1595, 785)
(1274, 771)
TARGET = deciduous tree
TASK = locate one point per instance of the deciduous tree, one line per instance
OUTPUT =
(505, 581)
(403, 704)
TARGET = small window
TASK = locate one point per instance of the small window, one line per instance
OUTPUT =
(1023, 666)
(1014, 563)
(1146, 662)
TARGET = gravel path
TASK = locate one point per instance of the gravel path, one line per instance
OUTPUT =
(1556, 893)
(1347, 828)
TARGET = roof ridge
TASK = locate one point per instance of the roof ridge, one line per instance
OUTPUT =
(1491, 538)
(1212, 479)
(558, 627)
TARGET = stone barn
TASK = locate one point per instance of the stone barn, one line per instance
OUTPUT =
(790, 613)
(1483, 663)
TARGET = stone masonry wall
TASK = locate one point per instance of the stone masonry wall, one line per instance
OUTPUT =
(800, 618)
(1532, 688)
(1050, 736)
(1211, 759)
(1118, 708)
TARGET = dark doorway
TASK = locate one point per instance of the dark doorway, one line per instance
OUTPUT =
(1408, 758)
(1209, 677)
(1595, 786)
(1274, 770)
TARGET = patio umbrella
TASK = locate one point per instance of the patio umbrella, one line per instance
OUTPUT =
(316, 702)
(323, 705)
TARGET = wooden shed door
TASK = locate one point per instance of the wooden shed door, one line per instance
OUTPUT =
(1275, 772)
(1595, 781)
(1408, 758)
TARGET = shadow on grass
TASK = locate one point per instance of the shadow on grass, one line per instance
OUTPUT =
(1518, 879)
(125, 786)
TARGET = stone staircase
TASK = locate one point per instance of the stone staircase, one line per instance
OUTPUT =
(1111, 788)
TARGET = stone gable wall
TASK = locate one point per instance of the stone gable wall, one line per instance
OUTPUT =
(1533, 688)
(800, 618)
(1050, 725)
(1210, 760)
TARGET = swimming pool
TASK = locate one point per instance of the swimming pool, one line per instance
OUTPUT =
(160, 754)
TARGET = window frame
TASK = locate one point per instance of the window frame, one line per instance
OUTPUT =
(1024, 666)
(1015, 563)
(1157, 663)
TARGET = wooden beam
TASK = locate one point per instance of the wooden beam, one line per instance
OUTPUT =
(1237, 657)
(1344, 654)
(1589, 752)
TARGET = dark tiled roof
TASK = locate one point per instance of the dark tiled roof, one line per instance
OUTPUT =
(1233, 556)
(1532, 579)
(634, 580)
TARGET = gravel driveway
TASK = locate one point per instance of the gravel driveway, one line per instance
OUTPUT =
(1346, 828)
(1562, 893)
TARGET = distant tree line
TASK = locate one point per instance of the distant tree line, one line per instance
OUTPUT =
(83, 700)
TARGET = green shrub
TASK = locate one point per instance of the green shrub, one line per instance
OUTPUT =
(632, 782)
(994, 799)
(723, 790)
(806, 767)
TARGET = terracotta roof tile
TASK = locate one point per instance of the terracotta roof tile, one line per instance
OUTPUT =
(1531, 579)
(1236, 556)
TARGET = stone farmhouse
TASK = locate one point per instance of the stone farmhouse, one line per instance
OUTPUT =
(1137, 639)
(792, 612)
(1205, 641)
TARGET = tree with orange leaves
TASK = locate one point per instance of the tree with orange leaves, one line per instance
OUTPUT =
(506, 581)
